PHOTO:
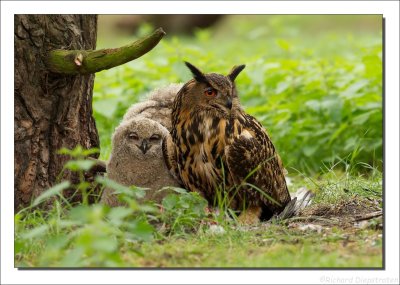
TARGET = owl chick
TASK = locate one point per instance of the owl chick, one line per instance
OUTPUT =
(157, 107)
(137, 159)
(215, 146)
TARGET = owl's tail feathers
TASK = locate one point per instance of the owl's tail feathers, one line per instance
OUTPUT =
(288, 211)
(304, 199)
(301, 199)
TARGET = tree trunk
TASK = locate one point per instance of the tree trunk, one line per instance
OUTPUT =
(51, 110)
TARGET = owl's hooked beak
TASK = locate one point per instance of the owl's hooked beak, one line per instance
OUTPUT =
(145, 146)
(228, 103)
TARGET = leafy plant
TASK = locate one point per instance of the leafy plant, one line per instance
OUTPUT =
(79, 164)
(85, 235)
(183, 212)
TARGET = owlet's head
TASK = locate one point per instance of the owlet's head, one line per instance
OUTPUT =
(139, 138)
(211, 91)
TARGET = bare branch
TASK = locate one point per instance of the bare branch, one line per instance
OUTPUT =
(368, 216)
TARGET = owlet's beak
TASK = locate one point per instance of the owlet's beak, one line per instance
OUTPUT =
(145, 146)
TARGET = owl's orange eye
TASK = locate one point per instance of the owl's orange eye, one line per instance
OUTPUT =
(210, 92)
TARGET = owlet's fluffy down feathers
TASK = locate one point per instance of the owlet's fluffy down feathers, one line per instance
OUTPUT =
(157, 106)
(215, 146)
(137, 159)
(128, 165)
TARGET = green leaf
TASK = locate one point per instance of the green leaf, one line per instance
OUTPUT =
(64, 151)
(78, 151)
(338, 132)
(313, 105)
(105, 244)
(79, 214)
(55, 190)
(36, 232)
(309, 150)
(118, 214)
(73, 257)
(373, 66)
(282, 87)
(132, 191)
(283, 44)
(350, 143)
(363, 118)
(146, 208)
(87, 152)
(170, 201)
(143, 231)
(57, 242)
(176, 189)
(352, 90)
(76, 165)
(68, 223)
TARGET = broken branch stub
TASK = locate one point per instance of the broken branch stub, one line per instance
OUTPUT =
(91, 61)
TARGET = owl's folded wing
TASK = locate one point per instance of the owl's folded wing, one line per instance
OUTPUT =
(253, 161)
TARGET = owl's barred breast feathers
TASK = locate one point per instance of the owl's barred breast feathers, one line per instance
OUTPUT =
(215, 144)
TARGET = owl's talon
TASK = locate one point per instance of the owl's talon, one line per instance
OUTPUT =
(250, 216)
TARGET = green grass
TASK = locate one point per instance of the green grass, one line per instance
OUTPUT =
(315, 82)
(139, 235)
(267, 248)
(272, 246)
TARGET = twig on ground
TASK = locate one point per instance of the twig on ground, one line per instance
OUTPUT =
(368, 216)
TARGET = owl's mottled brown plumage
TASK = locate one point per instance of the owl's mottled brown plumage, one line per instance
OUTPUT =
(214, 145)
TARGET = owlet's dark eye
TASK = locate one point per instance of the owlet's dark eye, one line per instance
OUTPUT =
(210, 92)
(133, 136)
(155, 137)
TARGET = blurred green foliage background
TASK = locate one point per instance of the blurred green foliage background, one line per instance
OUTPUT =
(314, 81)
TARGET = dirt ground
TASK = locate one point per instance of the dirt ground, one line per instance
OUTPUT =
(357, 212)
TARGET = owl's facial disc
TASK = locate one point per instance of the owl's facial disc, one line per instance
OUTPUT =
(221, 88)
(218, 99)
(211, 91)
(144, 145)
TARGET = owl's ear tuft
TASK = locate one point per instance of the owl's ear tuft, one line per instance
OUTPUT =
(235, 71)
(197, 74)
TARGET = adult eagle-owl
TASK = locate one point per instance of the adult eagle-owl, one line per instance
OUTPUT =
(216, 148)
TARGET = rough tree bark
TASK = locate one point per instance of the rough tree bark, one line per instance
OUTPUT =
(53, 98)
(50, 111)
